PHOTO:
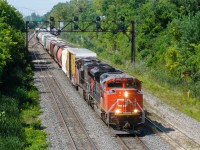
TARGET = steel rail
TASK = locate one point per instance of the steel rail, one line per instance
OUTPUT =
(175, 128)
(158, 128)
(60, 113)
(72, 109)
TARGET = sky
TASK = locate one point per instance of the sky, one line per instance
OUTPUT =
(40, 7)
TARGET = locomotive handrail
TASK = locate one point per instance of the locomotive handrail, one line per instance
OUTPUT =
(111, 108)
(143, 113)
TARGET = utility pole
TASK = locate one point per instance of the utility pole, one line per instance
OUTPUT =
(133, 51)
(27, 22)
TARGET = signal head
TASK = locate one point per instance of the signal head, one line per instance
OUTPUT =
(98, 18)
(75, 27)
(98, 25)
(75, 18)
(122, 27)
(51, 27)
(122, 18)
(51, 18)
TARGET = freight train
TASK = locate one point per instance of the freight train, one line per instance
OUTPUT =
(115, 96)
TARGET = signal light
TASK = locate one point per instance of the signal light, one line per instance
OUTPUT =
(98, 18)
(51, 26)
(98, 25)
(51, 18)
(52, 23)
(122, 27)
(75, 18)
(75, 27)
(122, 18)
(80, 9)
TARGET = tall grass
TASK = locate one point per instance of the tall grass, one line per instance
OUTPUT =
(12, 132)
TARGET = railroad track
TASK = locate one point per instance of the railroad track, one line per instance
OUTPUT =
(174, 141)
(77, 135)
(129, 143)
(50, 83)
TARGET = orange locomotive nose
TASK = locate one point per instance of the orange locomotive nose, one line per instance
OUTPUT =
(127, 101)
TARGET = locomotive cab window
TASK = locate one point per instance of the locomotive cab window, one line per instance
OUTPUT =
(115, 85)
(132, 85)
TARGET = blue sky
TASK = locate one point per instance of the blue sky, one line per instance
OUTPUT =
(40, 7)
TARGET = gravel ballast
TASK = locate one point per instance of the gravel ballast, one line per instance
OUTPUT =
(184, 123)
(97, 130)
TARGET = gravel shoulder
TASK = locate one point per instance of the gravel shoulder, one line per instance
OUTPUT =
(180, 121)
(97, 130)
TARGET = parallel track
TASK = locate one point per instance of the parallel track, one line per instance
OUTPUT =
(177, 144)
(84, 141)
(70, 121)
(179, 131)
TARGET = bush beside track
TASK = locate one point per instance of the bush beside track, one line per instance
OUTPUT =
(20, 126)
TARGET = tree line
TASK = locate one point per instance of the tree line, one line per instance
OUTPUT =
(18, 96)
(167, 36)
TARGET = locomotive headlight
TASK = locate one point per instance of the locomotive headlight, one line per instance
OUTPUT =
(125, 94)
(117, 111)
(135, 110)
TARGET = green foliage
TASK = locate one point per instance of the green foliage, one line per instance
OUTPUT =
(30, 117)
(11, 142)
(11, 16)
(35, 139)
(172, 59)
(12, 135)
(17, 93)
(5, 45)
(12, 39)
(167, 35)
(167, 43)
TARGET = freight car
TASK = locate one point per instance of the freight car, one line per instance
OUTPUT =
(115, 96)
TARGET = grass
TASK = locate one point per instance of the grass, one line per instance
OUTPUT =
(11, 129)
(154, 82)
(35, 139)
(20, 128)
(11, 143)
(34, 134)
(172, 95)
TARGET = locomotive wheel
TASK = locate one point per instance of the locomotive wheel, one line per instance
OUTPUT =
(103, 117)
(91, 102)
(76, 87)
(84, 95)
